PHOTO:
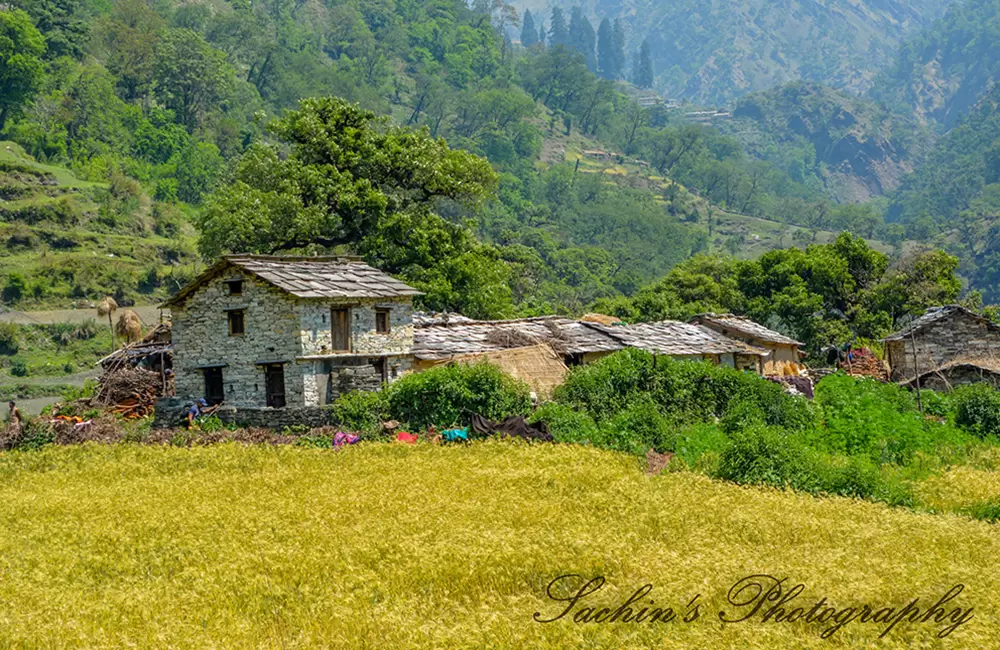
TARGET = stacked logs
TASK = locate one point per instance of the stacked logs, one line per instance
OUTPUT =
(864, 363)
(130, 392)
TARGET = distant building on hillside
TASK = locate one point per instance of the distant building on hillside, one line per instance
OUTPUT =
(784, 353)
(260, 331)
(950, 343)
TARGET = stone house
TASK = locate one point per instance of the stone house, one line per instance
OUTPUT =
(784, 353)
(938, 339)
(260, 331)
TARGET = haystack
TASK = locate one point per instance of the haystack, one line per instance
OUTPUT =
(538, 365)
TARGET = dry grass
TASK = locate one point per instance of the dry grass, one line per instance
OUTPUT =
(393, 546)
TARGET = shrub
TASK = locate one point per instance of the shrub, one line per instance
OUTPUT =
(638, 427)
(683, 390)
(9, 344)
(566, 424)
(863, 416)
(18, 368)
(363, 412)
(13, 291)
(696, 442)
(977, 409)
(761, 455)
(450, 394)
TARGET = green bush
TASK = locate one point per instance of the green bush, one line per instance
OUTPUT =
(977, 409)
(566, 424)
(684, 391)
(761, 455)
(637, 428)
(18, 368)
(449, 395)
(864, 416)
(362, 412)
(696, 442)
(9, 343)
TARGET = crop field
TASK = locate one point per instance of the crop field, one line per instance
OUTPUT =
(389, 546)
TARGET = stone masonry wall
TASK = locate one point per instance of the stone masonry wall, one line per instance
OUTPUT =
(317, 334)
(943, 341)
(201, 337)
(171, 412)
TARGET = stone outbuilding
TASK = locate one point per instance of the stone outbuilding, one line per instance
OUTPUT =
(261, 331)
(938, 339)
(784, 353)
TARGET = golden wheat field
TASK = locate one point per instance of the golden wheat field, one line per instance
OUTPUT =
(387, 546)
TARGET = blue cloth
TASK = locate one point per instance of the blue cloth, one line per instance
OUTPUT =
(455, 435)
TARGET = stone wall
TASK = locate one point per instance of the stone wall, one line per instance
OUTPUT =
(955, 337)
(317, 333)
(171, 412)
(327, 379)
(201, 337)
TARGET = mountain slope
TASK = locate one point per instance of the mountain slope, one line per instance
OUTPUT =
(711, 52)
(851, 147)
(942, 72)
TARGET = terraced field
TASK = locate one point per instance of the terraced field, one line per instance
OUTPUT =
(388, 546)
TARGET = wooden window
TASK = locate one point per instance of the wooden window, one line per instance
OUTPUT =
(274, 382)
(236, 326)
(382, 321)
(235, 287)
(340, 326)
(214, 390)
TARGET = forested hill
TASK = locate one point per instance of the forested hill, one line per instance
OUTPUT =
(851, 147)
(163, 107)
(942, 72)
(712, 52)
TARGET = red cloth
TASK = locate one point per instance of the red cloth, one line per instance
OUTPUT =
(408, 438)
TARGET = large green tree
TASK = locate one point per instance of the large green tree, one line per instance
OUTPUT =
(21, 68)
(354, 181)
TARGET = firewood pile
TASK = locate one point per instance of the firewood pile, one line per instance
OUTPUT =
(864, 363)
(130, 392)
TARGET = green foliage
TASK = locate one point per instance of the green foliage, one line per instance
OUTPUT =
(977, 409)
(362, 412)
(21, 67)
(566, 424)
(450, 394)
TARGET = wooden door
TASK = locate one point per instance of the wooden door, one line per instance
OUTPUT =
(214, 389)
(340, 322)
(274, 382)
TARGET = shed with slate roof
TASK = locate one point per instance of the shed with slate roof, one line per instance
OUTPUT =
(262, 331)
(783, 351)
(941, 336)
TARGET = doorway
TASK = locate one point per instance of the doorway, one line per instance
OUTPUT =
(274, 383)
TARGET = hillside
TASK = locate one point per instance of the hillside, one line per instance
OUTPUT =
(713, 52)
(851, 147)
(71, 242)
(453, 547)
(942, 72)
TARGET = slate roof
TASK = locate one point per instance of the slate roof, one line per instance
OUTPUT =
(743, 326)
(308, 277)
(441, 341)
(679, 339)
(935, 314)
(437, 342)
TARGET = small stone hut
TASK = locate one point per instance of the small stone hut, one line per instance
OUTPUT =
(261, 331)
(938, 339)
(783, 352)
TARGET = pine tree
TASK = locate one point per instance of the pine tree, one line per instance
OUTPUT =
(529, 34)
(644, 67)
(605, 50)
(618, 41)
(541, 34)
(582, 38)
(558, 34)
